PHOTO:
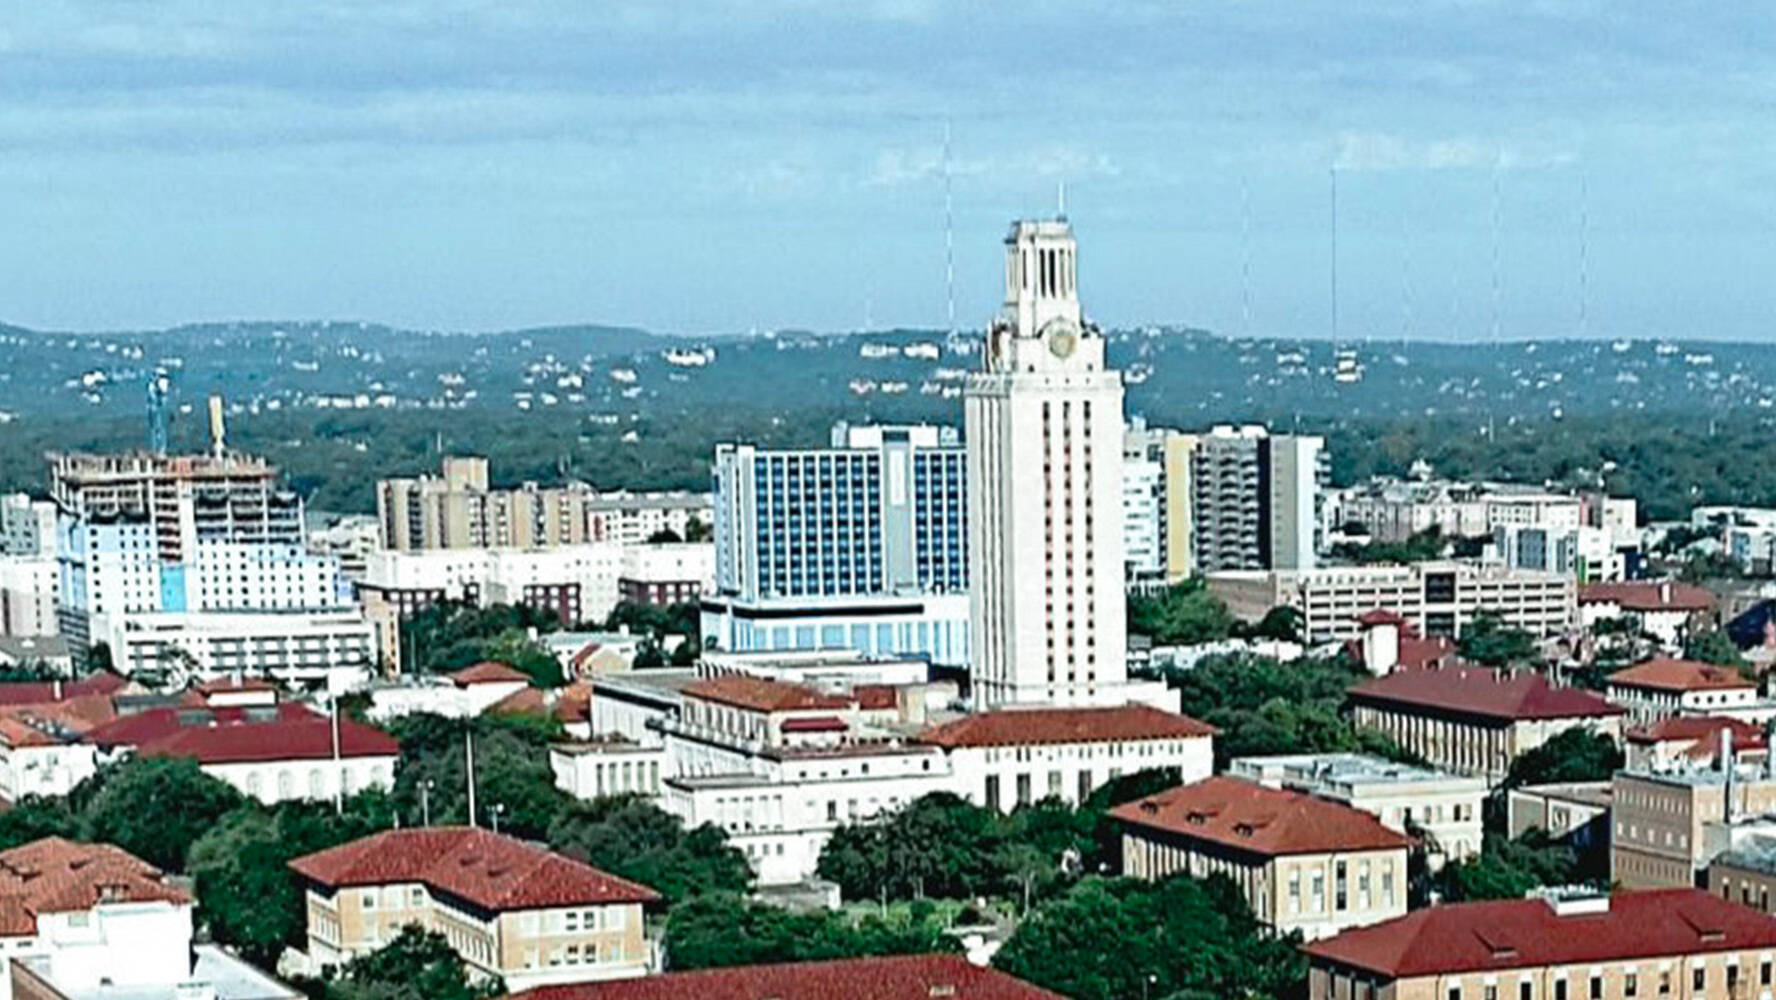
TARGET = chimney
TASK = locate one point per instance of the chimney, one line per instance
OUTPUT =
(57, 688)
(1726, 764)
(1664, 591)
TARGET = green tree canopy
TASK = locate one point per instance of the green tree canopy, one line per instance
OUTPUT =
(511, 772)
(1176, 936)
(1714, 646)
(1488, 640)
(156, 807)
(245, 891)
(1508, 869)
(417, 965)
(631, 837)
(1570, 755)
(1183, 614)
(722, 930)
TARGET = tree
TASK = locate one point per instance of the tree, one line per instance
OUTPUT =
(417, 965)
(631, 837)
(938, 845)
(511, 771)
(156, 807)
(1488, 640)
(245, 892)
(664, 536)
(1570, 755)
(1419, 547)
(1282, 623)
(1509, 869)
(35, 817)
(722, 930)
(697, 530)
(1713, 646)
(1184, 614)
(1177, 936)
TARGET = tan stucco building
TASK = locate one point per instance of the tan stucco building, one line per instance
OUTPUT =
(1670, 944)
(1667, 826)
(1304, 863)
(1474, 720)
(528, 915)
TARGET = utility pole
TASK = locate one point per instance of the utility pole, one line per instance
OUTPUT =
(338, 764)
(425, 802)
(469, 758)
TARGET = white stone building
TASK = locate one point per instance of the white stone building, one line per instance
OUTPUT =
(335, 649)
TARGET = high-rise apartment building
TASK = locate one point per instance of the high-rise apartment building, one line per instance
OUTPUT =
(459, 509)
(1254, 498)
(142, 533)
(1044, 427)
(1229, 498)
(881, 511)
(862, 544)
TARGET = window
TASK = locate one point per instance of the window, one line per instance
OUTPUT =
(1699, 978)
(1525, 991)
(1455, 992)
(369, 899)
(1764, 972)
(1630, 984)
(1340, 894)
(1559, 989)
(1596, 987)
(1490, 992)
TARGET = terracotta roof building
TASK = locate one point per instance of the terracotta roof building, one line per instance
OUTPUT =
(92, 920)
(509, 908)
(274, 753)
(1663, 688)
(1664, 608)
(1304, 863)
(1476, 721)
(1032, 726)
(1692, 740)
(1665, 943)
(897, 977)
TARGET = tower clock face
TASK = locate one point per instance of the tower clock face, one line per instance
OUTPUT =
(1062, 338)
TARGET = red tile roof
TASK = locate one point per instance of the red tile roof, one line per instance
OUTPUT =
(1491, 694)
(1697, 727)
(155, 723)
(1648, 595)
(1527, 933)
(279, 739)
(759, 694)
(1666, 674)
(899, 977)
(42, 692)
(54, 875)
(1251, 817)
(489, 672)
(487, 869)
(1381, 616)
(1027, 726)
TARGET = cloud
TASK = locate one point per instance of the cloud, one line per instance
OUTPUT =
(1381, 152)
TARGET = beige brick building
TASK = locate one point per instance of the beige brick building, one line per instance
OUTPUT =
(1667, 826)
(1476, 721)
(1669, 944)
(509, 909)
(1304, 863)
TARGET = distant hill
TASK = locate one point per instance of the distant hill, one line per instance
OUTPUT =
(339, 403)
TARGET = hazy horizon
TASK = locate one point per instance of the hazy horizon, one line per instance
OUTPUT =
(770, 164)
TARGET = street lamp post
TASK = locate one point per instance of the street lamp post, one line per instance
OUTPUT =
(499, 809)
(425, 802)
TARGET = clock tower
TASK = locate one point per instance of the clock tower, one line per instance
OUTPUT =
(1043, 422)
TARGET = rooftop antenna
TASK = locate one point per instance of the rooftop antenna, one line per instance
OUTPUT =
(949, 235)
(1405, 273)
(1245, 257)
(1584, 240)
(1498, 165)
(1335, 253)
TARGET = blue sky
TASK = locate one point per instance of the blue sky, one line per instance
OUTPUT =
(718, 166)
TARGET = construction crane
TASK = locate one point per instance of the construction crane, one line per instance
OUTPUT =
(159, 384)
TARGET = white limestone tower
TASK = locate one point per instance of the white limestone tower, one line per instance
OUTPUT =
(1044, 432)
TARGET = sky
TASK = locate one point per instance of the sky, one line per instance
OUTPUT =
(1537, 168)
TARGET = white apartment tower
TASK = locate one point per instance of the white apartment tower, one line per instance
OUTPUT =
(1044, 437)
